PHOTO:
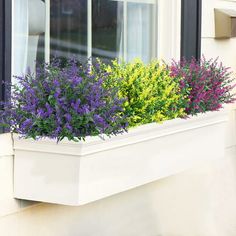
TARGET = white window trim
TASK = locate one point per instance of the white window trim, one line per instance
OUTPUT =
(47, 32)
(89, 28)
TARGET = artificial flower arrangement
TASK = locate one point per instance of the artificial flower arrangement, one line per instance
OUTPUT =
(72, 100)
(68, 101)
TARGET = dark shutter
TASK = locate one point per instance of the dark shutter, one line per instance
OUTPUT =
(191, 15)
(5, 45)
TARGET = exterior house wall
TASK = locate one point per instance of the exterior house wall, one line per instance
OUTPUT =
(223, 48)
(200, 201)
(190, 203)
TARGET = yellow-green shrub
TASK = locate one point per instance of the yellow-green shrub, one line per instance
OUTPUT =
(151, 94)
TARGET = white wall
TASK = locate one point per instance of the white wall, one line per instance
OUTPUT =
(223, 48)
(198, 202)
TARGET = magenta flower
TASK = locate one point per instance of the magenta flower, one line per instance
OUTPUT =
(208, 84)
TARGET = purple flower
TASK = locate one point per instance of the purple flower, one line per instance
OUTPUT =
(49, 109)
(76, 105)
(27, 124)
(63, 99)
(68, 127)
(56, 83)
(76, 80)
(68, 117)
(99, 120)
(41, 113)
(85, 109)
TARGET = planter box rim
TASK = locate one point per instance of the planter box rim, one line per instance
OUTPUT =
(134, 135)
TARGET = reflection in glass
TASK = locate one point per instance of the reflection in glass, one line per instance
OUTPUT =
(68, 28)
(107, 26)
(125, 35)
(37, 27)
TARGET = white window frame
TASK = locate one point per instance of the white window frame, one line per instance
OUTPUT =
(47, 32)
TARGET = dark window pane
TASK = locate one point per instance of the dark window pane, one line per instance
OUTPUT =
(107, 28)
(68, 26)
(41, 49)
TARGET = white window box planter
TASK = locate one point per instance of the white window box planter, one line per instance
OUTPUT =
(78, 173)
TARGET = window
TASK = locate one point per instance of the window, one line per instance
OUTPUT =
(84, 29)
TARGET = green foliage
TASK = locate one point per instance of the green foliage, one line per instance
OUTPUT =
(151, 94)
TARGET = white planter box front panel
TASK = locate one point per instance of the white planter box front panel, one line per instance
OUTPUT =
(78, 173)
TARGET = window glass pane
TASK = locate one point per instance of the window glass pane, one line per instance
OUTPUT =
(68, 28)
(119, 29)
(37, 27)
(107, 29)
(28, 26)
(140, 31)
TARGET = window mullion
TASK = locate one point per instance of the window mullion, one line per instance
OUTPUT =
(154, 31)
(89, 29)
(125, 30)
